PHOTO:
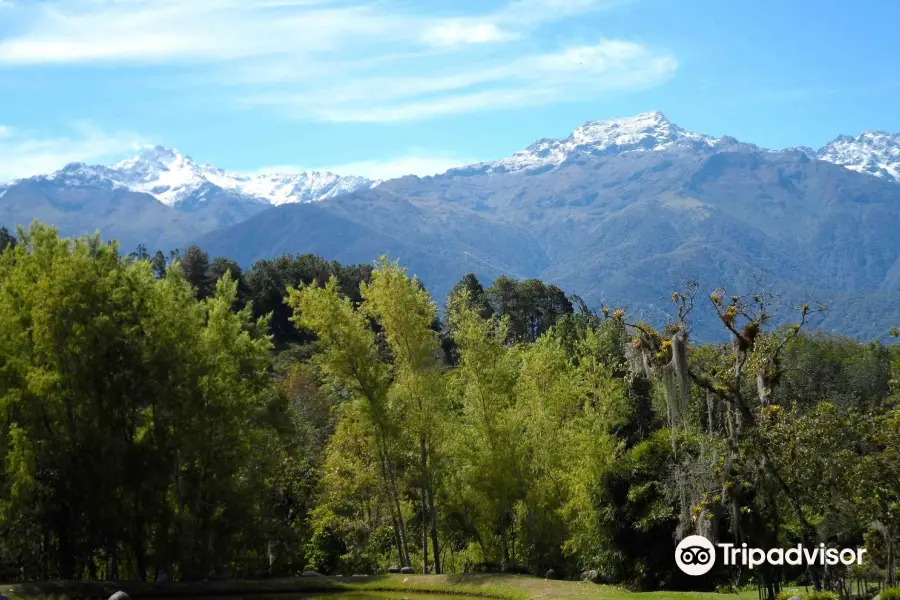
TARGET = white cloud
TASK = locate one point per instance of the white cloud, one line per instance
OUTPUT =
(534, 12)
(459, 33)
(576, 73)
(412, 164)
(165, 31)
(5, 131)
(127, 31)
(25, 155)
(459, 103)
(417, 162)
(340, 61)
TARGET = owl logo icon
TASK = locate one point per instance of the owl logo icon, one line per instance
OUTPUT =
(695, 555)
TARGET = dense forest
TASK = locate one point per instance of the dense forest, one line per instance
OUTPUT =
(171, 415)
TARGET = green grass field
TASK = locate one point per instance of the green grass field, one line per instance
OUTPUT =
(511, 587)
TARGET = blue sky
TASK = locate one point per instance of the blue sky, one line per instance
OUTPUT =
(384, 87)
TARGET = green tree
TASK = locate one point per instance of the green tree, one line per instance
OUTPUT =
(477, 295)
(531, 306)
(113, 382)
(195, 267)
(351, 359)
(490, 452)
(406, 312)
(877, 492)
(6, 239)
(140, 253)
(159, 264)
(268, 281)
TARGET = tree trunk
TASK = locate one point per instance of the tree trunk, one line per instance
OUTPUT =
(45, 554)
(504, 547)
(434, 535)
(399, 542)
(66, 550)
(400, 520)
(424, 457)
(890, 556)
(764, 385)
(91, 568)
(387, 478)
(140, 554)
(114, 560)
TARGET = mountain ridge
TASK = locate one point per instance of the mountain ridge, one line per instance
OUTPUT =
(623, 228)
(620, 212)
(174, 178)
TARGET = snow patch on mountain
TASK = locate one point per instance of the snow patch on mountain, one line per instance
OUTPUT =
(646, 132)
(285, 188)
(873, 152)
(173, 178)
(164, 173)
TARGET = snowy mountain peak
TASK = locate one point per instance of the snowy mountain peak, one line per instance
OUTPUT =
(160, 156)
(626, 130)
(873, 152)
(650, 131)
(162, 172)
(175, 178)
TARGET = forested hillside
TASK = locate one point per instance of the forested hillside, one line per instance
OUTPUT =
(174, 414)
(619, 212)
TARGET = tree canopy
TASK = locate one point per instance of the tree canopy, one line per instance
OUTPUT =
(180, 414)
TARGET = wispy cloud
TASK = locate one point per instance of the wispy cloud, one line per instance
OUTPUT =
(576, 73)
(23, 154)
(297, 56)
(534, 12)
(416, 162)
(455, 33)
(167, 31)
(76, 31)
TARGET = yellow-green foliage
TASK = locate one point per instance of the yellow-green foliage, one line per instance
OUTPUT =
(114, 384)
(890, 594)
(821, 596)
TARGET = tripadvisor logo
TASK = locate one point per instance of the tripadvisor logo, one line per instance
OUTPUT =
(696, 555)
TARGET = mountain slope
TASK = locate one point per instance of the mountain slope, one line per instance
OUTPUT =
(624, 217)
(117, 213)
(873, 152)
(621, 212)
(359, 227)
(179, 199)
(175, 179)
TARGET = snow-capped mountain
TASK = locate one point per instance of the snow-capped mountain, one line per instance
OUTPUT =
(646, 132)
(175, 179)
(637, 203)
(178, 181)
(873, 152)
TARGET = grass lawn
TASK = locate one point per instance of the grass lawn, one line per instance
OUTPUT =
(520, 587)
(510, 587)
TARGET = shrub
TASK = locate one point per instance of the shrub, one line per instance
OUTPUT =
(784, 595)
(890, 593)
(821, 596)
